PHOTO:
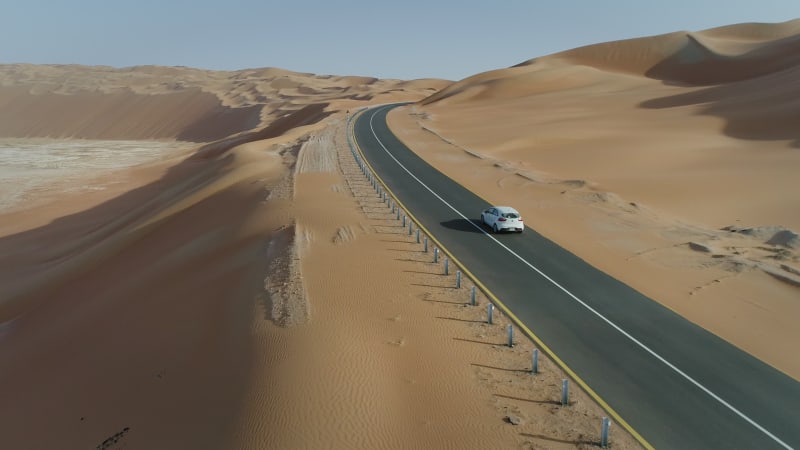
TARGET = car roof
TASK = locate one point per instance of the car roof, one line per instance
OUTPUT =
(506, 209)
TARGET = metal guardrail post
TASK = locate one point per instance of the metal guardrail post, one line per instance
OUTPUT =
(604, 429)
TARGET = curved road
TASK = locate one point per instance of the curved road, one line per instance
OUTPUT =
(669, 381)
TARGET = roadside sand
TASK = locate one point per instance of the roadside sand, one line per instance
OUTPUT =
(391, 356)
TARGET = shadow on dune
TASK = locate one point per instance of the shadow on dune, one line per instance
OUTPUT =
(698, 64)
(221, 122)
(576, 442)
(150, 289)
(763, 108)
(307, 115)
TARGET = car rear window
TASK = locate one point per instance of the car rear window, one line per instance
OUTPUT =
(510, 216)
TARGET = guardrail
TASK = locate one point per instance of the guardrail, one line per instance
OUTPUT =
(408, 220)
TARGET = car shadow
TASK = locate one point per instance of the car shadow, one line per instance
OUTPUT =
(469, 225)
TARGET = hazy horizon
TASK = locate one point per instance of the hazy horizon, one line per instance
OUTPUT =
(420, 40)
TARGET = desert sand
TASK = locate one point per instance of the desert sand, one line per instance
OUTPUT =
(245, 288)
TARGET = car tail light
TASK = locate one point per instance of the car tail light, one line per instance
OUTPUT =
(520, 219)
(502, 219)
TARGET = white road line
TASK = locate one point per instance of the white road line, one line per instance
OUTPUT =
(581, 302)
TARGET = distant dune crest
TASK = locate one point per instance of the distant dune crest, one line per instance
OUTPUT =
(718, 55)
(715, 56)
(183, 103)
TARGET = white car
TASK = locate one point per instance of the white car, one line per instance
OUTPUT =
(502, 218)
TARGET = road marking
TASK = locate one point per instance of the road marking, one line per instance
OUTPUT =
(574, 297)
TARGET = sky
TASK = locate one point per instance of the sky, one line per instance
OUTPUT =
(386, 39)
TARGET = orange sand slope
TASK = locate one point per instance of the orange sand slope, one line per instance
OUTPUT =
(670, 162)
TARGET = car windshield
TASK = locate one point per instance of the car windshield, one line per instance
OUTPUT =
(510, 216)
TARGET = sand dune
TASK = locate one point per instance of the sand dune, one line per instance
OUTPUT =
(630, 153)
(719, 55)
(711, 57)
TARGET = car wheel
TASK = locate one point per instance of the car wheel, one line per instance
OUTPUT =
(496, 230)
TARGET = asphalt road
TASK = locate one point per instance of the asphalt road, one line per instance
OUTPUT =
(670, 381)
